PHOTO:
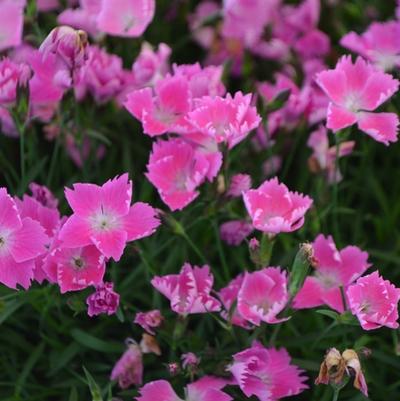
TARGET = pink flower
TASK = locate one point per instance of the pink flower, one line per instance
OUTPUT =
(151, 66)
(149, 320)
(208, 388)
(267, 373)
(11, 23)
(43, 195)
(239, 183)
(227, 120)
(234, 232)
(103, 300)
(324, 157)
(355, 90)
(380, 44)
(12, 75)
(127, 18)
(47, 5)
(103, 216)
(333, 269)
(313, 44)
(263, 295)
(78, 268)
(274, 209)
(176, 169)
(189, 360)
(188, 291)
(272, 165)
(101, 76)
(374, 301)
(129, 368)
(228, 296)
(205, 81)
(69, 47)
(21, 241)
(165, 111)
(83, 17)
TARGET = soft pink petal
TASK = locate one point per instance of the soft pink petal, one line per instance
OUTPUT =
(84, 199)
(75, 232)
(339, 118)
(310, 295)
(110, 242)
(13, 273)
(141, 221)
(116, 195)
(159, 390)
(383, 127)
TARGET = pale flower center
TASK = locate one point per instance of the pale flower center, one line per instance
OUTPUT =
(352, 102)
(78, 263)
(328, 280)
(128, 22)
(104, 221)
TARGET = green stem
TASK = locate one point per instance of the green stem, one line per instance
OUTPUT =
(194, 247)
(336, 392)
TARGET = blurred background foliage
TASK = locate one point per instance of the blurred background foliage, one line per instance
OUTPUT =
(47, 339)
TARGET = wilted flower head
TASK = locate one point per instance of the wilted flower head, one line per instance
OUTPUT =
(68, 45)
(274, 209)
(355, 90)
(336, 365)
(149, 344)
(11, 23)
(263, 295)
(333, 269)
(149, 320)
(267, 373)
(374, 301)
(103, 300)
(238, 184)
(103, 216)
(234, 232)
(380, 44)
(188, 291)
(126, 18)
(129, 368)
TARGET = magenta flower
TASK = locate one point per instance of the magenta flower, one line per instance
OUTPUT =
(333, 269)
(21, 241)
(239, 183)
(205, 81)
(47, 5)
(324, 157)
(151, 66)
(228, 296)
(12, 75)
(127, 18)
(188, 291)
(189, 360)
(103, 216)
(69, 48)
(78, 268)
(208, 388)
(129, 368)
(234, 232)
(101, 76)
(227, 120)
(263, 295)
(267, 373)
(374, 301)
(11, 23)
(103, 300)
(274, 209)
(380, 44)
(176, 169)
(149, 320)
(43, 195)
(165, 110)
(355, 90)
